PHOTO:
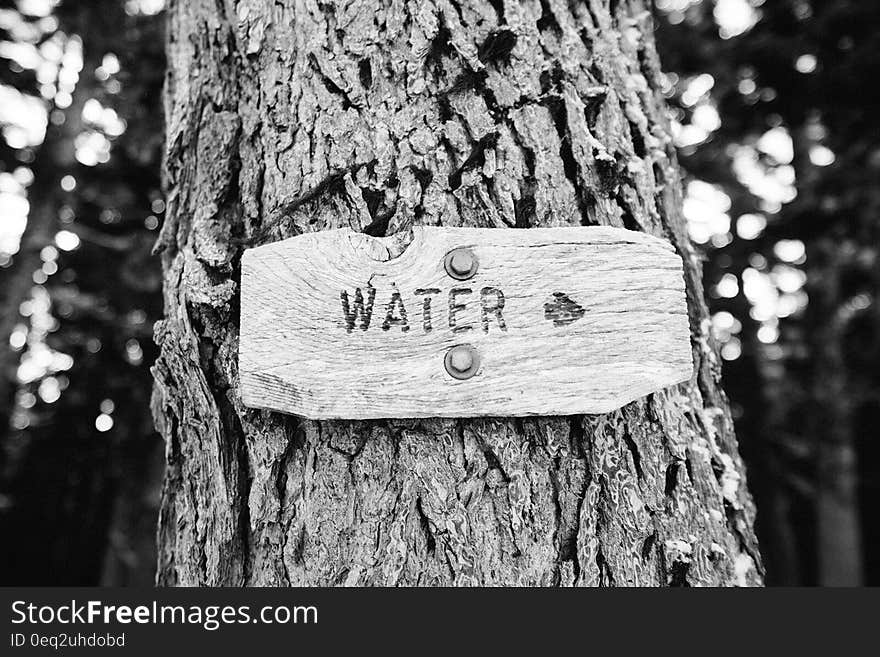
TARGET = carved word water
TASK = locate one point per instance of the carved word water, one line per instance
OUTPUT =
(359, 307)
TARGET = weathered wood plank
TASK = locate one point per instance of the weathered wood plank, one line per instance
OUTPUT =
(561, 321)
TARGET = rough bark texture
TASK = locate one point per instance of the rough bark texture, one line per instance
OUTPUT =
(297, 116)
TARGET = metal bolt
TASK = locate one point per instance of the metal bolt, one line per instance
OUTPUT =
(461, 263)
(462, 361)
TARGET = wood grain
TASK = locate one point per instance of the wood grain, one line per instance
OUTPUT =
(565, 321)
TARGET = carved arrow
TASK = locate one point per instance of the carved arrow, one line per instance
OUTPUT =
(563, 310)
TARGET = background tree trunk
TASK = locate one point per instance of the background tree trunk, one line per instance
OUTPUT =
(298, 116)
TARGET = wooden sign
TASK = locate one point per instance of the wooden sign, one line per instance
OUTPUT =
(464, 322)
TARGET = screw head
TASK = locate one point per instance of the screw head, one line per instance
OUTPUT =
(462, 361)
(461, 263)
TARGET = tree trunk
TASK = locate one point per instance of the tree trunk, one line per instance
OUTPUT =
(299, 116)
(840, 560)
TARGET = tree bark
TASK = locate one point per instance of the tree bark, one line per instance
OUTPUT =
(298, 116)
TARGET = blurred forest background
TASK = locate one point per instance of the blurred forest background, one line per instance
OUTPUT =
(776, 117)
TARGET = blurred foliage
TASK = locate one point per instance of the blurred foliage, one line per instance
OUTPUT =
(777, 110)
(80, 460)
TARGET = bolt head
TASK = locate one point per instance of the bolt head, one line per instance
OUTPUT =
(461, 359)
(461, 263)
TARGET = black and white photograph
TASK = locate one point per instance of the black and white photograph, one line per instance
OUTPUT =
(519, 294)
